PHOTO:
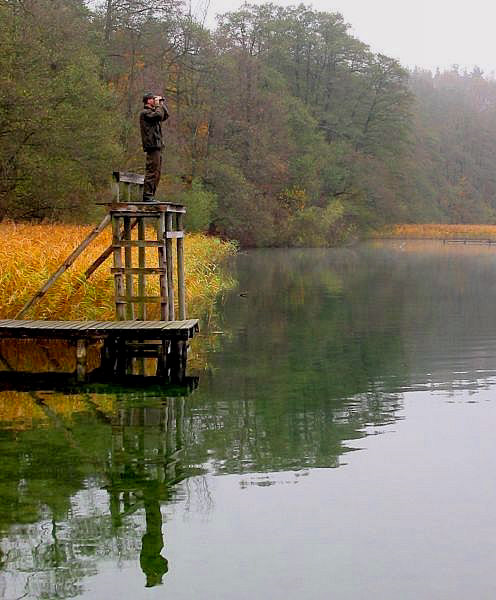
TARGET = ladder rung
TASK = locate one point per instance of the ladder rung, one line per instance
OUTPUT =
(138, 244)
(139, 270)
(143, 345)
(125, 299)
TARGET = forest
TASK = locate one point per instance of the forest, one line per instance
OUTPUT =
(285, 130)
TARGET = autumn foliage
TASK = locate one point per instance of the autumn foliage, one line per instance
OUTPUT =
(29, 254)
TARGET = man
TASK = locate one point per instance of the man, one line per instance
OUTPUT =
(151, 117)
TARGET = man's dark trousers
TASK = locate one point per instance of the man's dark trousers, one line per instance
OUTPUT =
(153, 169)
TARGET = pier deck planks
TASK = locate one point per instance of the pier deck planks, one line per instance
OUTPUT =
(11, 328)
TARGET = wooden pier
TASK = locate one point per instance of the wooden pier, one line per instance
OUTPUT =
(121, 342)
(131, 336)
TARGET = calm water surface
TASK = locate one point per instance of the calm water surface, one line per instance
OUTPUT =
(340, 445)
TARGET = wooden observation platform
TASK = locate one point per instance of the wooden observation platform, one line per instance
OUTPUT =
(136, 227)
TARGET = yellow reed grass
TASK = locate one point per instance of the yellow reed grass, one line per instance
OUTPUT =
(29, 254)
(438, 231)
(19, 411)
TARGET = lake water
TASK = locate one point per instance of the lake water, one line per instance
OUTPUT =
(340, 444)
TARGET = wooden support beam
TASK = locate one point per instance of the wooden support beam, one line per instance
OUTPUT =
(81, 359)
(178, 360)
(98, 262)
(181, 292)
(67, 263)
(141, 265)
(163, 279)
(118, 278)
(128, 260)
(170, 267)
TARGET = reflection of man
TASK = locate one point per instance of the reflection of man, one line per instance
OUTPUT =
(151, 117)
(153, 564)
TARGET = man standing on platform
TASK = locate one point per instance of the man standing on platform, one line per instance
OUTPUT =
(151, 117)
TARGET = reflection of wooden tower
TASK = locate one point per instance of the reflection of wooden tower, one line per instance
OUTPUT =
(130, 275)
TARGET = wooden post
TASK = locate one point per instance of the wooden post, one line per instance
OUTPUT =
(178, 359)
(128, 261)
(115, 185)
(141, 264)
(163, 277)
(162, 360)
(107, 357)
(118, 282)
(81, 359)
(170, 268)
(181, 292)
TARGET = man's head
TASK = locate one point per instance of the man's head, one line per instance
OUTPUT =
(149, 99)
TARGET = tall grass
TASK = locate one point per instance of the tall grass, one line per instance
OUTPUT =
(438, 231)
(29, 254)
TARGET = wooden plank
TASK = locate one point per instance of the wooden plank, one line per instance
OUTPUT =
(152, 299)
(126, 177)
(146, 325)
(169, 325)
(66, 264)
(5, 322)
(139, 271)
(28, 323)
(176, 208)
(130, 212)
(61, 325)
(98, 325)
(85, 325)
(90, 326)
(139, 243)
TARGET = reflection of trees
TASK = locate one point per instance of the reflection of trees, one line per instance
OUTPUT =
(307, 355)
(310, 360)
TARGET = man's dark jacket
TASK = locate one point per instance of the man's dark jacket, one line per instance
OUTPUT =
(151, 126)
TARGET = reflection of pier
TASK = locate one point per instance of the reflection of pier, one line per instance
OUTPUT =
(143, 237)
(146, 446)
(131, 447)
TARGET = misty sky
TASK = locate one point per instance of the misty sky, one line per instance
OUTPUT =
(427, 33)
